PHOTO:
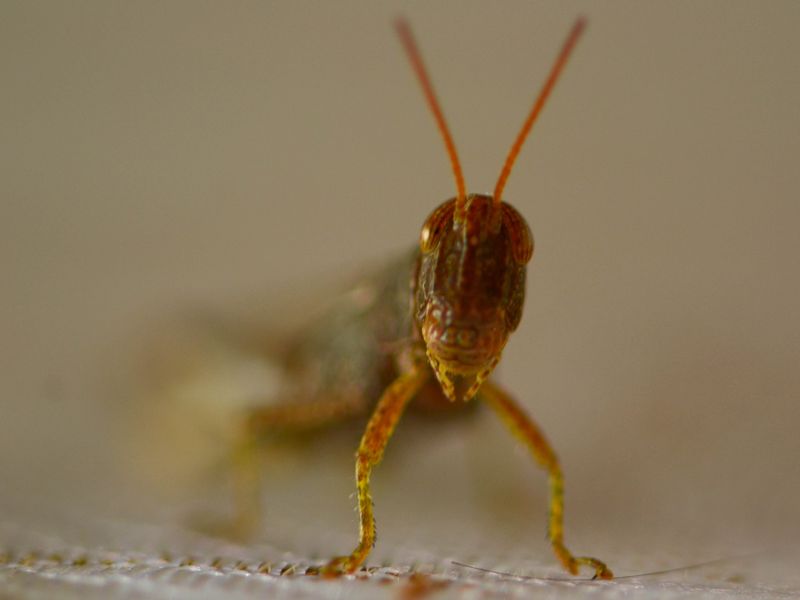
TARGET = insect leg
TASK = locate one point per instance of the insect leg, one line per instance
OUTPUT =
(526, 430)
(259, 423)
(301, 416)
(379, 429)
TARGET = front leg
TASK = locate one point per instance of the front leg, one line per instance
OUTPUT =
(526, 430)
(379, 429)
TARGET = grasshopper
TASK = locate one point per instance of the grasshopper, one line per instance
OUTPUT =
(435, 341)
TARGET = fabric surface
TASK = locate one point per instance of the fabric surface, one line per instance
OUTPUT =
(140, 560)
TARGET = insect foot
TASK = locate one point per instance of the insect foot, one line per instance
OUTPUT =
(573, 563)
(341, 565)
(601, 571)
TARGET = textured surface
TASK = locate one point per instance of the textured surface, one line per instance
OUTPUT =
(105, 565)
(187, 160)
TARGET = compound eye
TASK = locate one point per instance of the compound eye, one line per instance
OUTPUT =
(439, 221)
(519, 233)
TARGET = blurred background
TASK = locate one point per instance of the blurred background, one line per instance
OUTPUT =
(165, 159)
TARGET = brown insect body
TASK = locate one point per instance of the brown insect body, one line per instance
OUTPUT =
(436, 346)
(355, 347)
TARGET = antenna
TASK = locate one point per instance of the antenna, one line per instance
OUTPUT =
(407, 38)
(555, 71)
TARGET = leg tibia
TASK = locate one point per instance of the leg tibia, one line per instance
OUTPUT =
(379, 429)
(526, 430)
